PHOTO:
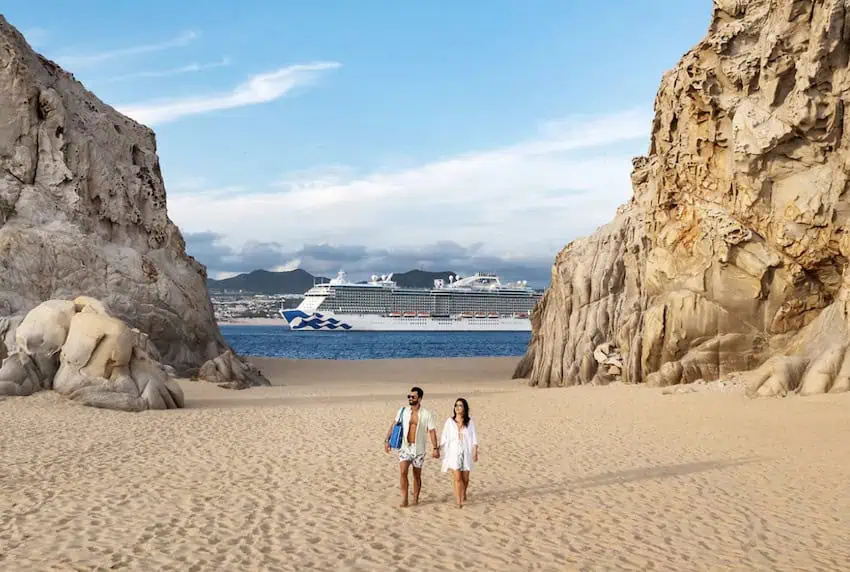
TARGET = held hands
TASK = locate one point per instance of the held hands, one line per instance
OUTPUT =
(436, 453)
(386, 446)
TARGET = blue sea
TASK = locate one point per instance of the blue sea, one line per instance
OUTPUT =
(280, 341)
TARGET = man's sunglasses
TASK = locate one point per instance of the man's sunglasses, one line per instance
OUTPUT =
(412, 396)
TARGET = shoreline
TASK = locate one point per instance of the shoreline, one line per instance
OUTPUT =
(254, 322)
(413, 370)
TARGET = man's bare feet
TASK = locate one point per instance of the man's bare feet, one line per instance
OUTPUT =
(415, 502)
(403, 504)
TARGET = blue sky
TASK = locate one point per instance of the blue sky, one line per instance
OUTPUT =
(380, 135)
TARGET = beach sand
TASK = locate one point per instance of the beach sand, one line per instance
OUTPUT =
(254, 322)
(294, 477)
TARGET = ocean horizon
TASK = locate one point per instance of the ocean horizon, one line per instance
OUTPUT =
(281, 342)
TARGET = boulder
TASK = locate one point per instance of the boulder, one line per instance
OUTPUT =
(77, 349)
(609, 362)
(33, 355)
(232, 373)
(731, 255)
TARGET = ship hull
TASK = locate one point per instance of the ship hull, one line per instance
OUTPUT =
(330, 321)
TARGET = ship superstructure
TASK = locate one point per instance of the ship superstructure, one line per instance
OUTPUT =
(474, 303)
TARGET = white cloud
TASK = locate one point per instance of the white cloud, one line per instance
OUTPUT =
(260, 88)
(183, 184)
(82, 60)
(290, 265)
(217, 192)
(189, 68)
(523, 199)
(360, 262)
(200, 187)
(225, 275)
(315, 177)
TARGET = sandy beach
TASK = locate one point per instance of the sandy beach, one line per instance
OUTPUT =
(294, 477)
(254, 322)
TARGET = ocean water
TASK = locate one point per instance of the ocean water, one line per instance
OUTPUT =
(280, 341)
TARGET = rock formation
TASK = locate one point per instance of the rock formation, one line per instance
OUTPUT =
(230, 372)
(79, 350)
(732, 253)
(82, 212)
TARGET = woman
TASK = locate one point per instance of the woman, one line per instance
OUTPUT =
(459, 447)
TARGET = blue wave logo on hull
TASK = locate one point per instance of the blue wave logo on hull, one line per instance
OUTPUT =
(314, 321)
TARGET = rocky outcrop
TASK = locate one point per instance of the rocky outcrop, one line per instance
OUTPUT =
(229, 372)
(77, 349)
(732, 253)
(82, 211)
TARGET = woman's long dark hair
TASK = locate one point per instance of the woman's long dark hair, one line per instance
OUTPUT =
(465, 411)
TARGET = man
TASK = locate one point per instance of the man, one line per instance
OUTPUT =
(419, 426)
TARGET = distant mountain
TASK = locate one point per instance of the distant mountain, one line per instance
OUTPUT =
(264, 282)
(299, 281)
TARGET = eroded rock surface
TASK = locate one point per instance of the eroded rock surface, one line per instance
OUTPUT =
(77, 349)
(732, 253)
(228, 371)
(83, 211)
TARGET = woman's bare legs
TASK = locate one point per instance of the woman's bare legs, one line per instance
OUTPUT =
(464, 477)
(458, 487)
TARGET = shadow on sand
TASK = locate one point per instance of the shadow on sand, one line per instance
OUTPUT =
(613, 478)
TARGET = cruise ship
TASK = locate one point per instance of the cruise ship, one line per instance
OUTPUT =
(473, 303)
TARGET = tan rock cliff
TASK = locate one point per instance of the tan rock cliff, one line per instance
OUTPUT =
(732, 252)
(82, 212)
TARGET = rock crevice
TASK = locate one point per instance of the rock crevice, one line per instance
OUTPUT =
(731, 254)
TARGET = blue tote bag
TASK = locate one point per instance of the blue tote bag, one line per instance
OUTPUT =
(398, 431)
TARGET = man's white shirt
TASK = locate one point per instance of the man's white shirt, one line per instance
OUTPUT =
(427, 422)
